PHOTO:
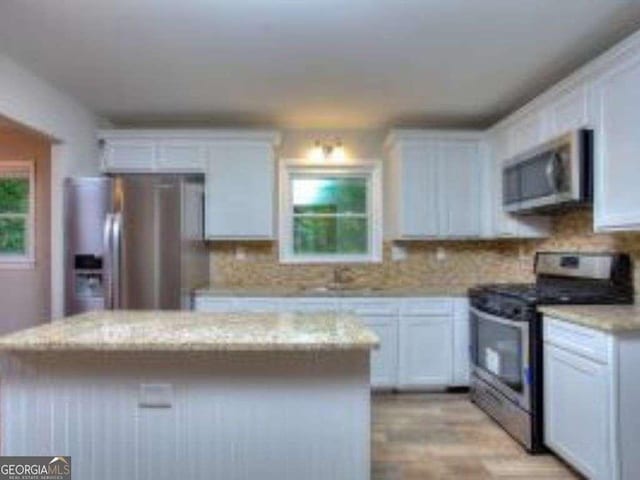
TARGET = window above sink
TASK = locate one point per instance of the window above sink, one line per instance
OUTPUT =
(330, 214)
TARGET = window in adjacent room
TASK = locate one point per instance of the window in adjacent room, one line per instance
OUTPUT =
(16, 213)
(330, 214)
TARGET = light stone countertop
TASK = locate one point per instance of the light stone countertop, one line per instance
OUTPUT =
(299, 292)
(132, 331)
(607, 318)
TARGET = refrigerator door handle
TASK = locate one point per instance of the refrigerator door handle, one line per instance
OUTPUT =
(108, 261)
(117, 260)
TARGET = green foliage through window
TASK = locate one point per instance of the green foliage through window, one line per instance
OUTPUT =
(330, 215)
(14, 213)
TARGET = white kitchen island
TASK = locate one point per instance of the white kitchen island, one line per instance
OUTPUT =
(166, 395)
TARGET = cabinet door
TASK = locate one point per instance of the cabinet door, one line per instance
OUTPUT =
(182, 156)
(240, 190)
(419, 190)
(425, 347)
(384, 360)
(617, 141)
(576, 411)
(568, 112)
(526, 133)
(129, 156)
(459, 180)
(461, 343)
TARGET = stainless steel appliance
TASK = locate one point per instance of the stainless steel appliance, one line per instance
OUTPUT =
(506, 333)
(134, 242)
(550, 176)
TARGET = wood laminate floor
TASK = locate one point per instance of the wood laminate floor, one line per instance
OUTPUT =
(445, 436)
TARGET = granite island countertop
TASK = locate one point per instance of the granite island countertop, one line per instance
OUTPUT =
(132, 331)
(311, 292)
(607, 318)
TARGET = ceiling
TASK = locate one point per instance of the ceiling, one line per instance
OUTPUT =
(309, 63)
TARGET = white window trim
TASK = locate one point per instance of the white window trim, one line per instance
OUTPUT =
(370, 168)
(27, 261)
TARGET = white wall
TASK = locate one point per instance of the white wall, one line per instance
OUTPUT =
(29, 100)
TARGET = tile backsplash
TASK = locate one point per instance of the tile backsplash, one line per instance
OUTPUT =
(460, 264)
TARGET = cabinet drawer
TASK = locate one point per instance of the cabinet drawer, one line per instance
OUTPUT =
(257, 305)
(214, 305)
(309, 305)
(575, 338)
(427, 306)
(371, 306)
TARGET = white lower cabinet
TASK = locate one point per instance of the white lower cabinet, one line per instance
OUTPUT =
(424, 342)
(425, 351)
(577, 410)
(384, 360)
(461, 343)
(591, 398)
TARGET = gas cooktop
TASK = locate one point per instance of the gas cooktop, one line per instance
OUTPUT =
(556, 294)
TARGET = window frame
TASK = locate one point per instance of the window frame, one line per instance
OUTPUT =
(370, 169)
(26, 261)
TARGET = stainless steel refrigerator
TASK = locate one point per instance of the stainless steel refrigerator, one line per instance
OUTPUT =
(134, 242)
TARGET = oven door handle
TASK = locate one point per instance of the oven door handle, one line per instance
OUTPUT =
(501, 320)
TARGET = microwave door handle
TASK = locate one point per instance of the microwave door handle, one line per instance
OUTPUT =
(552, 171)
(108, 261)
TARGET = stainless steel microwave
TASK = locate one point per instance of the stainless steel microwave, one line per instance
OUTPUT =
(555, 174)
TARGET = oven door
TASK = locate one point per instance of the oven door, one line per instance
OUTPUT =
(500, 355)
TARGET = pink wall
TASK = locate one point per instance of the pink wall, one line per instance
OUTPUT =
(25, 295)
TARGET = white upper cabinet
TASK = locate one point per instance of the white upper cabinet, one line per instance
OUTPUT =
(415, 176)
(128, 155)
(239, 166)
(459, 178)
(525, 133)
(181, 156)
(434, 183)
(616, 101)
(240, 191)
(569, 111)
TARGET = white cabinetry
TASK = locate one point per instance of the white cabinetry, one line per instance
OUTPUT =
(577, 410)
(128, 155)
(425, 351)
(239, 167)
(381, 316)
(240, 191)
(434, 184)
(181, 156)
(591, 396)
(461, 342)
(459, 190)
(570, 110)
(617, 155)
(526, 132)
(415, 199)
(424, 342)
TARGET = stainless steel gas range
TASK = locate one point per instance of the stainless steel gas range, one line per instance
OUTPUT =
(506, 333)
